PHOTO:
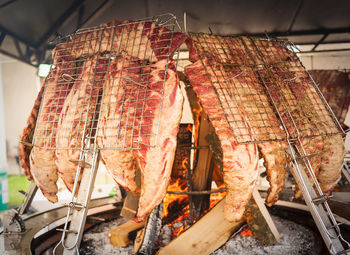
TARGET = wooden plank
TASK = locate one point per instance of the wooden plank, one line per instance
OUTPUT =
(130, 205)
(119, 236)
(202, 174)
(131, 201)
(205, 236)
(260, 221)
(201, 178)
(138, 240)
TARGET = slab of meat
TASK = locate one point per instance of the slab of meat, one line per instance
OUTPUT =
(162, 111)
(332, 163)
(295, 120)
(143, 40)
(229, 62)
(119, 119)
(42, 164)
(293, 106)
(330, 149)
(240, 162)
(78, 113)
(27, 135)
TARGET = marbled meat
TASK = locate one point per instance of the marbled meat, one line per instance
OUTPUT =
(79, 114)
(42, 156)
(240, 162)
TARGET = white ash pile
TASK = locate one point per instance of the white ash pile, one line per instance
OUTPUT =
(95, 240)
(295, 239)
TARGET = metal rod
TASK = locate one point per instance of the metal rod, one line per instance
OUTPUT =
(28, 198)
(297, 11)
(318, 43)
(194, 193)
(189, 187)
(324, 51)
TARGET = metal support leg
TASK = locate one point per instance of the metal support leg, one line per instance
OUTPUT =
(28, 199)
(320, 211)
(78, 207)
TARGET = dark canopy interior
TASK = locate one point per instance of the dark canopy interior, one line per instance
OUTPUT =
(27, 27)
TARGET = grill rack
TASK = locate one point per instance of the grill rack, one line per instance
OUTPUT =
(270, 67)
(298, 122)
(84, 64)
(91, 67)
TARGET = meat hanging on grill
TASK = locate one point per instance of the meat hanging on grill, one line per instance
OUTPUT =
(233, 68)
(24, 147)
(144, 40)
(77, 121)
(162, 112)
(240, 162)
(42, 159)
(122, 103)
(329, 149)
(294, 108)
(332, 153)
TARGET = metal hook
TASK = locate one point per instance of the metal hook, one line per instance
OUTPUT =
(68, 77)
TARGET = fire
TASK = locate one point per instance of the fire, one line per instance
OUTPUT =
(197, 115)
(179, 185)
(176, 208)
(216, 197)
(246, 232)
(189, 127)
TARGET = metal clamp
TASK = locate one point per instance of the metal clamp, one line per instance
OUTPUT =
(75, 206)
(321, 199)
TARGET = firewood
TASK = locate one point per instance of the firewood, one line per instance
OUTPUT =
(201, 179)
(130, 205)
(205, 236)
(131, 201)
(260, 221)
(138, 240)
(119, 236)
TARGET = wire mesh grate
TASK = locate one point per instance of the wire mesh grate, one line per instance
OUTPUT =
(102, 90)
(263, 88)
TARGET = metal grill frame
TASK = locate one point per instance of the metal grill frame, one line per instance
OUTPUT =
(89, 153)
(169, 21)
(300, 164)
(255, 64)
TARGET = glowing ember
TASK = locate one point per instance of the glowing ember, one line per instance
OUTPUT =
(246, 232)
(178, 185)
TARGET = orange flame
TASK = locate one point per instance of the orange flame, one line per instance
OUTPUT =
(246, 232)
(216, 197)
(189, 127)
(197, 115)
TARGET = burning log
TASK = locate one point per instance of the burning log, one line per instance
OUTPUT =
(150, 232)
(202, 173)
(205, 236)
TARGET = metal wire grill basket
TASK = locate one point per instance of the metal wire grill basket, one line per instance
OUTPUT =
(264, 90)
(98, 89)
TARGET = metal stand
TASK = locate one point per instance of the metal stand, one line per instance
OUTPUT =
(317, 203)
(78, 207)
(346, 168)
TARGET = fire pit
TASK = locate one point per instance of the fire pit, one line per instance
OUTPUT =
(295, 239)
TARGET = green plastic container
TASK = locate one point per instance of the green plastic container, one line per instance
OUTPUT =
(4, 195)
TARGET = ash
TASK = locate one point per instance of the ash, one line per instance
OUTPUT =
(295, 239)
(95, 240)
